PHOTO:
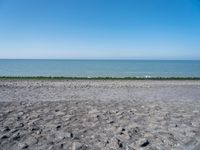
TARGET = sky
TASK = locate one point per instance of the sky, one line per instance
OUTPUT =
(100, 29)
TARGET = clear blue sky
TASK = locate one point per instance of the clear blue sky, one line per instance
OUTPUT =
(95, 29)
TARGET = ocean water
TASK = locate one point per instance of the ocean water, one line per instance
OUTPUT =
(100, 68)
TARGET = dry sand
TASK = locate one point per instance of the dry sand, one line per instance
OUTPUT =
(89, 114)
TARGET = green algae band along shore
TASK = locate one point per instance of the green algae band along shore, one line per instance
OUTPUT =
(94, 78)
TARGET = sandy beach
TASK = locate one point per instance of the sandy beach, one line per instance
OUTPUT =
(99, 114)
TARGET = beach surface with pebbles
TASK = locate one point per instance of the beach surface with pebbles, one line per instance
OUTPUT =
(99, 114)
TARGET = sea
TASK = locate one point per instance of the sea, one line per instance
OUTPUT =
(100, 68)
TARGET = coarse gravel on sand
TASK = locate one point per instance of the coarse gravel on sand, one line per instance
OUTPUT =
(99, 114)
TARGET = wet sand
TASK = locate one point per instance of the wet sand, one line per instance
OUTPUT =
(104, 114)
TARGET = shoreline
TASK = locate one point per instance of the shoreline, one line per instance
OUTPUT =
(93, 78)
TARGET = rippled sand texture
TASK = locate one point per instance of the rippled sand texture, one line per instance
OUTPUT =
(89, 114)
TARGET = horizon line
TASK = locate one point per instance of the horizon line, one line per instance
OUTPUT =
(98, 59)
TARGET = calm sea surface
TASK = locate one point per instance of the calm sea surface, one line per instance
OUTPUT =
(100, 68)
